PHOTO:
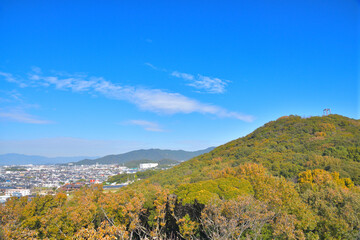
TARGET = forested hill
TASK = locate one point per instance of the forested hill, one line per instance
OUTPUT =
(293, 178)
(286, 147)
(155, 155)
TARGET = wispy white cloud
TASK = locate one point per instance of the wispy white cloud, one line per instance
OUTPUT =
(150, 65)
(10, 96)
(8, 77)
(147, 125)
(209, 84)
(76, 84)
(205, 83)
(155, 67)
(14, 108)
(170, 103)
(11, 78)
(17, 115)
(185, 76)
(16, 96)
(36, 69)
(154, 100)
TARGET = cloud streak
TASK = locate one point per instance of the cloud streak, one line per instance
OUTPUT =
(10, 78)
(22, 117)
(15, 109)
(205, 83)
(147, 125)
(154, 100)
(155, 67)
(185, 76)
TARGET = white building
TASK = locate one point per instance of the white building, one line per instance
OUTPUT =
(22, 191)
(52, 185)
(148, 165)
(4, 198)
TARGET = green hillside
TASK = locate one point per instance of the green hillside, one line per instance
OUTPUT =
(285, 147)
(293, 178)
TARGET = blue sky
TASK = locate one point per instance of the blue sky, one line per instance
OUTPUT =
(103, 77)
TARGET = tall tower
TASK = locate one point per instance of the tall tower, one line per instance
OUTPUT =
(326, 111)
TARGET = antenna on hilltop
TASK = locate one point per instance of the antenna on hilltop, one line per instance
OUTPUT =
(326, 111)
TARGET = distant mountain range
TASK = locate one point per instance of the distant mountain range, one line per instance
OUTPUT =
(154, 155)
(21, 159)
(149, 155)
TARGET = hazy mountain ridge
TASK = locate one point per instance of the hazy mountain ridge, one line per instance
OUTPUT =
(155, 155)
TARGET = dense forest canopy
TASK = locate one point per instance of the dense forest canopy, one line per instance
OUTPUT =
(285, 147)
(293, 178)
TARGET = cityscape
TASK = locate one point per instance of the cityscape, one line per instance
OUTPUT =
(27, 180)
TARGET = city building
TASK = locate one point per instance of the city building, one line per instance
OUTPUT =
(148, 165)
(17, 191)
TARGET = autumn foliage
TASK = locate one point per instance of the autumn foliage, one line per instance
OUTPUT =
(291, 179)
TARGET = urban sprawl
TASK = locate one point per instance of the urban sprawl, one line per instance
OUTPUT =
(29, 180)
